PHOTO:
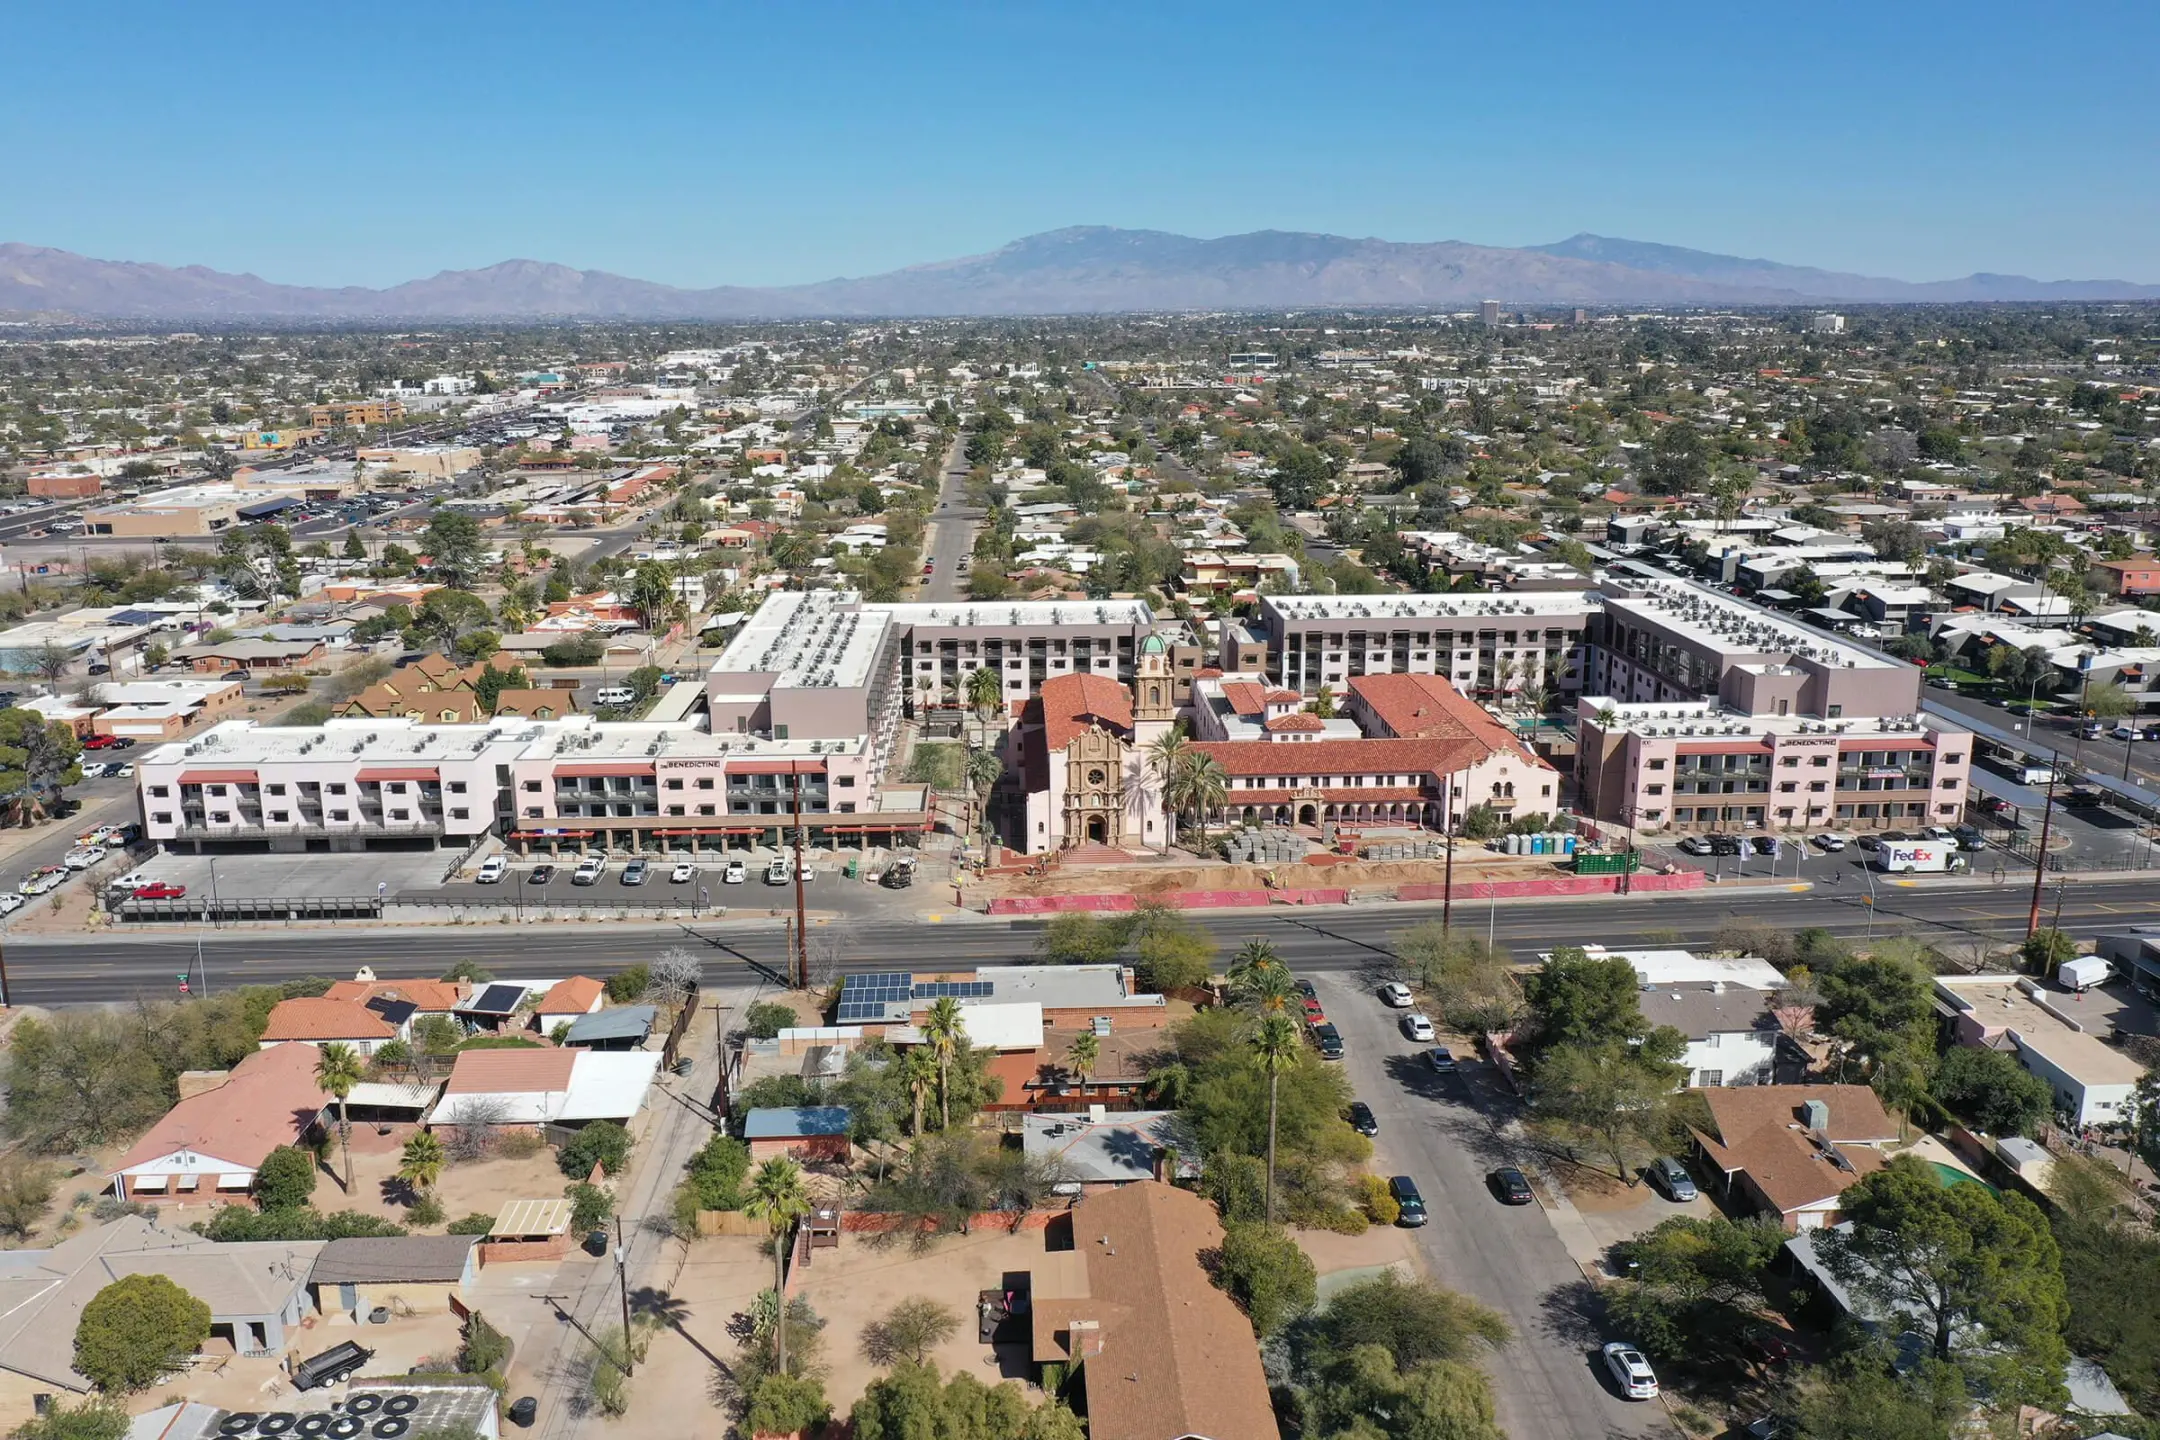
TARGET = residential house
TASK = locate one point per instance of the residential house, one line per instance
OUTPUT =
(1791, 1150)
(1161, 1351)
(319, 1020)
(1732, 1036)
(621, 1027)
(801, 1132)
(546, 1086)
(1099, 1149)
(421, 1274)
(257, 1295)
(255, 657)
(2138, 575)
(208, 1147)
(568, 1000)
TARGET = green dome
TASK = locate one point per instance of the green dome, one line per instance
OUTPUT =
(1153, 645)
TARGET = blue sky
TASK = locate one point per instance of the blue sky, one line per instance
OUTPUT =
(705, 144)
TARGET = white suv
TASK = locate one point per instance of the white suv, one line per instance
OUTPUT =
(492, 871)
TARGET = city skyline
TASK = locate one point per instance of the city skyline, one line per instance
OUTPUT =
(1918, 145)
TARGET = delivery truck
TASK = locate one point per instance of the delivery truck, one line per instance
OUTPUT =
(1919, 857)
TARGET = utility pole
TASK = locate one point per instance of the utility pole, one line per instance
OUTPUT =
(802, 941)
(1447, 838)
(2047, 815)
(622, 1275)
(5, 1003)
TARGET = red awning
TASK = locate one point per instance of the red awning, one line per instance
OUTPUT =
(217, 777)
(776, 767)
(416, 772)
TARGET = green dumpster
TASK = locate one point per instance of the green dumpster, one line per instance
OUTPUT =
(851, 869)
(1590, 862)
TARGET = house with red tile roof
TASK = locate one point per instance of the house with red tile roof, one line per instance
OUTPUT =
(566, 1000)
(319, 1020)
(209, 1146)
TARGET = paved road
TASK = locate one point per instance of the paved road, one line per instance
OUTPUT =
(110, 967)
(1443, 1132)
(2101, 757)
(952, 531)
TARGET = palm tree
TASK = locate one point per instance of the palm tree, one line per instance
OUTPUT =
(943, 1033)
(1168, 1084)
(337, 1069)
(1277, 1042)
(982, 769)
(778, 1197)
(1206, 788)
(985, 690)
(1254, 954)
(918, 1067)
(1166, 761)
(1267, 987)
(421, 1163)
(1082, 1055)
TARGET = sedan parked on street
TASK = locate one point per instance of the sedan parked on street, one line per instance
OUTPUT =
(1512, 1186)
(1417, 1027)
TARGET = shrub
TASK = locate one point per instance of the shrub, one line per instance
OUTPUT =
(717, 1171)
(285, 1178)
(427, 1210)
(604, 1143)
(137, 1330)
(520, 1144)
(1378, 1200)
(1263, 1269)
(909, 1331)
(590, 1205)
(94, 1419)
(784, 1404)
(767, 1019)
(482, 1348)
(477, 1223)
(625, 986)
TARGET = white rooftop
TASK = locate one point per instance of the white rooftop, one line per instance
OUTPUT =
(1496, 605)
(1702, 719)
(1682, 967)
(808, 639)
(1045, 613)
(1720, 623)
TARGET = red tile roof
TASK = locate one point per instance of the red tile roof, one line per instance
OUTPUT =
(309, 1018)
(1341, 757)
(433, 997)
(1071, 703)
(1245, 697)
(574, 996)
(1296, 720)
(530, 1071)
(269, 1099)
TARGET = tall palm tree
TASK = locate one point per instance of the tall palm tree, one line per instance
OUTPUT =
(421, 1163)
(778, 1197)
(943, 1032)
(338, 1068)
(918, 1067)
(1254, 954)
(1083, 1055)
(1207, 788)
(1268, 988)
(985, 690)
(1277, 1043)
(982, 769)
(1167, 754)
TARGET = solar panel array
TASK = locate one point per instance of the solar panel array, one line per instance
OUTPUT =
(870, 997)
(956, 989)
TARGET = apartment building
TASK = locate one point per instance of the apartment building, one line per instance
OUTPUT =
(574, 783)
(1024, 641)
(355, 412)
(1665, 641)
(1702, 765)
(1489, 645)
(809, 665)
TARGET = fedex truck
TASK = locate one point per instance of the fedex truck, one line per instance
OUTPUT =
(1920, 857)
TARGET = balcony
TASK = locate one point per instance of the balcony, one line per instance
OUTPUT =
(195, 827)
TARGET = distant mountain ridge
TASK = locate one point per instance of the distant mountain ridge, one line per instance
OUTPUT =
(1086, 269)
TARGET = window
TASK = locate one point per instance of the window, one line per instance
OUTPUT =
(1711, 1077)
(401, 814)
(1836, 712)
(275, 789)
(1656, 789)
(163, 817)
(460, 813)
(705, 784)
(335, 787)
(457, 787)
(674, 784)
(532, 786)
(1952, 759)
(160, 791)
(1657, 764)
(1949, 784)
(1787, 787)
(532, 811)
(845, 782)
(340, 815)
(1820, 762)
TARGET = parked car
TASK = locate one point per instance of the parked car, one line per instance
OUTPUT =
(493, 870)
(1409, 1204)
(614, 695)
(589, 871)
(682, 874)
(1671, 1177)
(1314, 1015)
(1630, 1371)
(1828, 844)
(1726, 845)
(898, 875)
(637, 872)
(1511, 1185)
(1441, 1059)
(160, 890)
(100, 742)
(541, 874)
(1362, 1119)
(1329, 1041)
(121, 772)
(121, 742)
(94, 769)
(1996, 805)
(1305, 988)
(1696, 845)
(1395, 994)
(2123, 732)
(1417, 1027)
(9, 904)
(2091, 730)
(735, 873)
(1968, 837)
(82, 857)
(779, 872)
(1764, 844)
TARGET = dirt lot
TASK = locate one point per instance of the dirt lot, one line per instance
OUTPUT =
(464, 1188)
(1154, 878)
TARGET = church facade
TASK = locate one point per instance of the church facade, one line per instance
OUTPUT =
(1082, 751)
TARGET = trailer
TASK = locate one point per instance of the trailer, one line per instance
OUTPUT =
(1919, 857)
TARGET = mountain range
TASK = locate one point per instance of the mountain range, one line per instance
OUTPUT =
(1088, 269)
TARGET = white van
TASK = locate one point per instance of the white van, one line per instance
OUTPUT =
(2031, 772)
(615, 695)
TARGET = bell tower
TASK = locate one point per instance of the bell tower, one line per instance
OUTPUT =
(1154, 687)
